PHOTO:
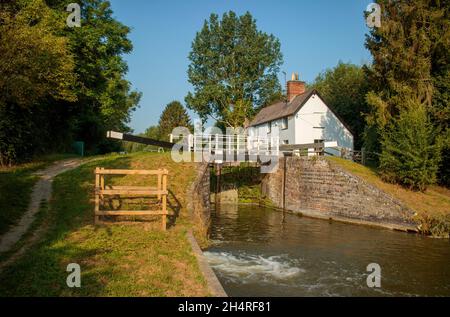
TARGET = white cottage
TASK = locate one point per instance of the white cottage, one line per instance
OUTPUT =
(304, 118)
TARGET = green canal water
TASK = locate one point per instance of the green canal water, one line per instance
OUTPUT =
(256, 251)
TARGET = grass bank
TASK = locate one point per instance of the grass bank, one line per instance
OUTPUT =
(16, 184)
(116, 259)
(432, 206)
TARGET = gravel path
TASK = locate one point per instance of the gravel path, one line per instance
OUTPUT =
(42, 190)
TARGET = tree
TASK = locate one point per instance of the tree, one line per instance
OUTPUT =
(105, 99)
(344, 88)
(411, 153)
(233, 69)
(440, 73)
(35, 65)
(406, 50)
(174, 115)
(151, 132)
(29, 49)
(61, 84)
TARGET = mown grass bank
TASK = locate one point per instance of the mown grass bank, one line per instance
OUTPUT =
(116, 259)
(16, 184)
(432, 206)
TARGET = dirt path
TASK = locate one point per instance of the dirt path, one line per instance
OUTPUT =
(42, 190)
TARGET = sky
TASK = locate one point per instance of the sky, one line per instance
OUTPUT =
(314, 35)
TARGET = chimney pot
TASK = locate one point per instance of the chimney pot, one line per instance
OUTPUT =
(295, 87)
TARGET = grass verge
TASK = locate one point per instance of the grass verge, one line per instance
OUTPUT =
(16, 184)
(116, 259)
(432, 206)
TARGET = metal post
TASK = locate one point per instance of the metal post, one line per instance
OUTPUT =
(210, 144)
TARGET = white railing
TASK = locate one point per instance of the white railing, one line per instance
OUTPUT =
(229, 144)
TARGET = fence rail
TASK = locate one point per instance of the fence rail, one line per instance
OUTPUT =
(160, 191)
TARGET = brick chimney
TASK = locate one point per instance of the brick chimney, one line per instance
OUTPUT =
(295, 87)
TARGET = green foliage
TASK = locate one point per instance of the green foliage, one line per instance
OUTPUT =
(436, 225)
(105, 99)
(245, 177)
(174, 115)
(233, 69)
(35, 62)
(61, 84)
(411, 154)
(344, 88)
(410, 62)
(35, 65)
(152, 132)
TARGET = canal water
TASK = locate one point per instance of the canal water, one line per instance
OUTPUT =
(256, 251)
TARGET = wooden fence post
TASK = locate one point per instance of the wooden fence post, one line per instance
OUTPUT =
(97, 198)
(158, 186)
(160, 192)
(164, 200)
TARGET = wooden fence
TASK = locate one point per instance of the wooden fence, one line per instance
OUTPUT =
(160, 191)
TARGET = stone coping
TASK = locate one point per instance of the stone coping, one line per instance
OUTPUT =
(214, 285)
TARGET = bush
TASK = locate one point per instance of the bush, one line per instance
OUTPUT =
(436, 225)
(411, 152)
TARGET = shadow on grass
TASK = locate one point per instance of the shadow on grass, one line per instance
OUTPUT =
(120, 259)
(15, 194)
(42, 270)
(174, 204)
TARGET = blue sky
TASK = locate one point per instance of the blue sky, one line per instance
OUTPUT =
(314, 35)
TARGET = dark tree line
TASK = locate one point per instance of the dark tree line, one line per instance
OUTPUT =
(61, 84)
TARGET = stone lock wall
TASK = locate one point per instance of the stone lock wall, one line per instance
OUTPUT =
(200, 190)
(319, 187)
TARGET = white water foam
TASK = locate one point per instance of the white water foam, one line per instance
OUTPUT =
(247, 267)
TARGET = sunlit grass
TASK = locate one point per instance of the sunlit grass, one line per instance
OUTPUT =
(16, 183)
(116, 259)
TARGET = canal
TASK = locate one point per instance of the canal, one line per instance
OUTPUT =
(255, 251)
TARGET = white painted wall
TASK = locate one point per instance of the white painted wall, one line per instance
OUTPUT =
(262, 130)
(314, 121)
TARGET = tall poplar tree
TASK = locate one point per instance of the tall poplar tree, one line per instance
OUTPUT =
(233, 69)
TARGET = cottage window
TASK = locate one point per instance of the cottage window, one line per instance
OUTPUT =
(284, 123)
(269, 127)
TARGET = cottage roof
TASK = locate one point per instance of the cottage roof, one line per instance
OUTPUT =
(284, 109)
(281, 109)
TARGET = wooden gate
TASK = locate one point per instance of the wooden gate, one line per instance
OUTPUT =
(160, 191)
